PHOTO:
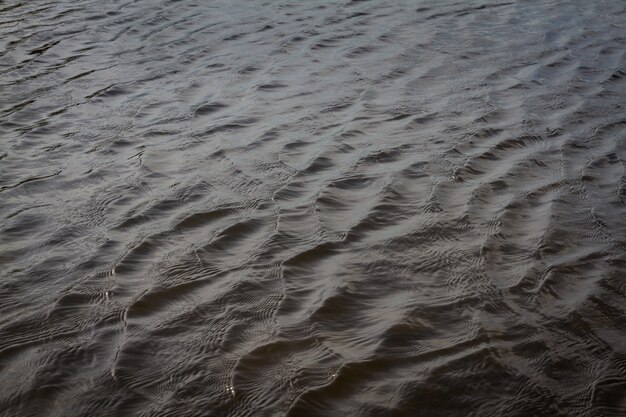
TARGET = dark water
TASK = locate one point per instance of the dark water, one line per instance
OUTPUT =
(312, 208)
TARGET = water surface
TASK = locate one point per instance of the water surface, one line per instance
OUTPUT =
(312, 208)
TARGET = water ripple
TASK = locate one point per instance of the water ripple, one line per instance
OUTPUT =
(312, 208)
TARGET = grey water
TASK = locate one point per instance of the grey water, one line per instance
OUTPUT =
(312, 208)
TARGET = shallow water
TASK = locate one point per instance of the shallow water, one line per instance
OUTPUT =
(320, 208)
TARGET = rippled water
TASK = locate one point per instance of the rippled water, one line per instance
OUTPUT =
(312, 208)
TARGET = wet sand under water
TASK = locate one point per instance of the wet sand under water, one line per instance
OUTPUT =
(320, 208)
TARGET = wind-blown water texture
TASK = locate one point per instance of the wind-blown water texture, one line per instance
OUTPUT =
(312, 208)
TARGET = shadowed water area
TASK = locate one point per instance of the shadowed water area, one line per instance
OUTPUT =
(312, 208)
